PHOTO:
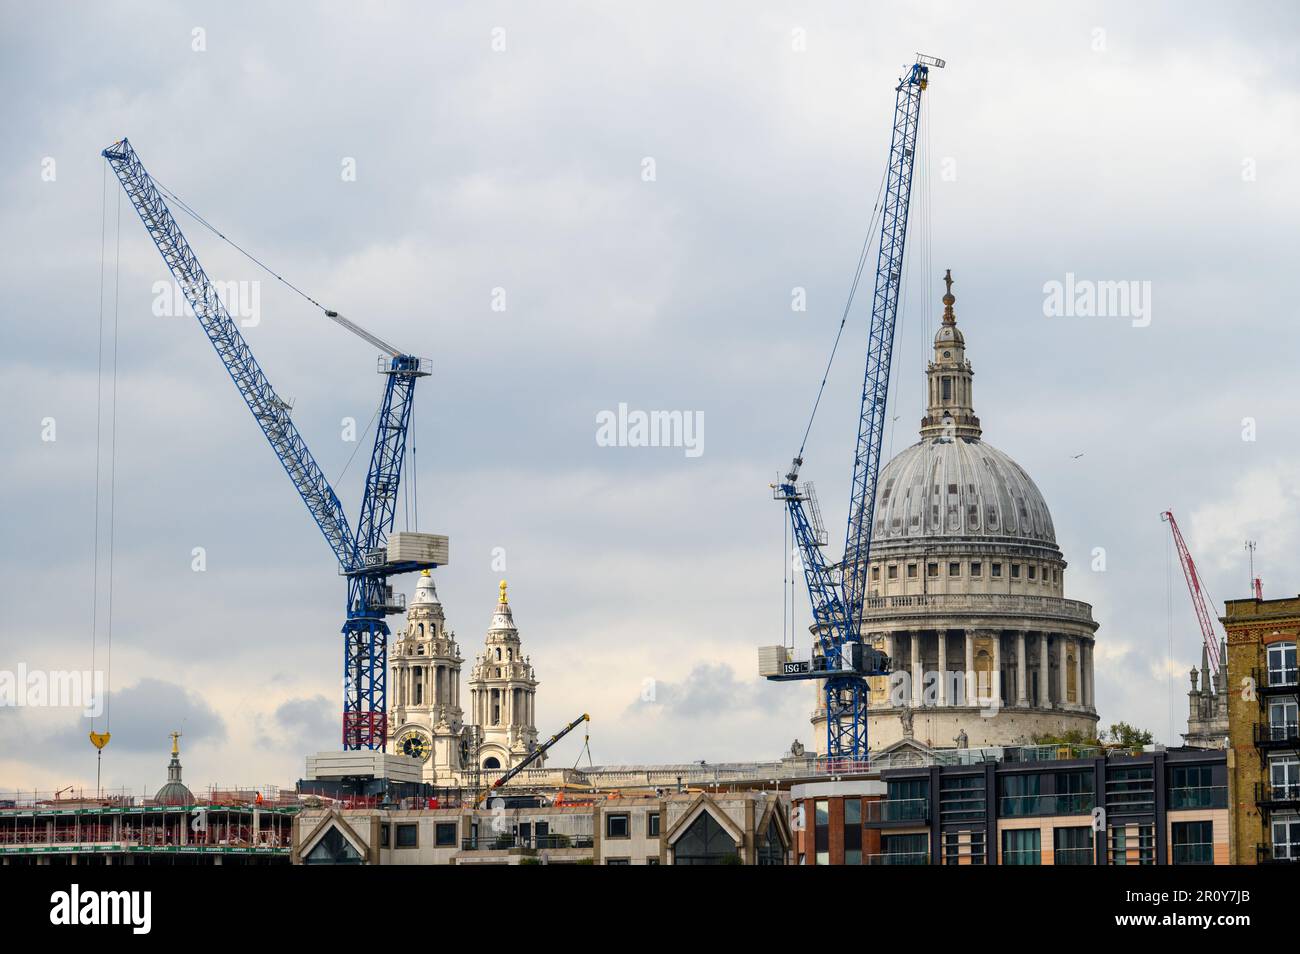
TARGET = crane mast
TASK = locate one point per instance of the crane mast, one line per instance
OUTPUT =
(367, 558)
(837, 593)
(1197, 592)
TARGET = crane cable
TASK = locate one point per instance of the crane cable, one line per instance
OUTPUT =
(101, 739)
(848, 304)
(185, 207)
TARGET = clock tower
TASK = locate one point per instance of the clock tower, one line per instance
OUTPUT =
(425, 720)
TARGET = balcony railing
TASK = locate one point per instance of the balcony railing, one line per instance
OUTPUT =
(1277, 736)
(1194, 853)
(900, 858)
(1205, 796)
(1080, 803)
(1269, 795)
(897, 810)
(995, 603)
(509, 842)
(1073, 856)
(1283, 678)
(1277, 855)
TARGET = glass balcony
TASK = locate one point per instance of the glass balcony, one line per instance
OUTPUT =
(1077, 803)
(1206, 796)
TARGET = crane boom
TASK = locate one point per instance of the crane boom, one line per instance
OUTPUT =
(534, 755)
(1197, 592)
(270, 412)
(880, 345)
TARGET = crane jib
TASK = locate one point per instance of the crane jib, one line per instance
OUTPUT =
(370, 598)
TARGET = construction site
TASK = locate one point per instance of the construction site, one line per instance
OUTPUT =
(944, 647)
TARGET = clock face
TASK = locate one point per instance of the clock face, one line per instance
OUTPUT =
(414, 745)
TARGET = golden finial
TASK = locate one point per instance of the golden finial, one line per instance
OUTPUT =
(424, 573)
(948, 300)
(176, 749)
(502, 586)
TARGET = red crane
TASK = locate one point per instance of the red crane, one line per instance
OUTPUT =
(1198, 594)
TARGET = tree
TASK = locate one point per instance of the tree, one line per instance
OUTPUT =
(1127, 736)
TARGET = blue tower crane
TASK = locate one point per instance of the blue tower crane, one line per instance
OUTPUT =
(837, 593)
(366, 558)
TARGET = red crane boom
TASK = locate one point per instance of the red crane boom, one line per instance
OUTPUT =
(1194, 588)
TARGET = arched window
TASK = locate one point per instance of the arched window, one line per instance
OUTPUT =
(770, 849)
(705, 842)
(491, 762)
(498, 654)
(1071, 682)
(421, 628)
(417, 675)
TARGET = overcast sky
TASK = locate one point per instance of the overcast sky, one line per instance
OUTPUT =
(1154, 144)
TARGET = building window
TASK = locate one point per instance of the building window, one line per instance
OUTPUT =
(1015, 571)
(384, 836)
(1282, 664)
(911, 571)
(1018, 795)
(1074, 792)
(1286, 838)
(932, 569)
(976, 569)
(1190, 787)
(333, 849)
(961, 798)
(408, 836)
(822, 830)
(618, 861)
(875, 573)
(491, 762)
(652, 825)
(618, 826)
(1072, 846)
(947, 389)
(1282, 717)
(1193, 843)
(954, 569)
(770, 849)
(893, 571)
(1125, 850)
(995, 569)
(853, 830)
(1284, 774)
(652, 860)
(444, 834)
(1022, 847)
(1033, 570)
(705, 842)
(1130, 790)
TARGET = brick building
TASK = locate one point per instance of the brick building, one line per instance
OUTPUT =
(1263, 729)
